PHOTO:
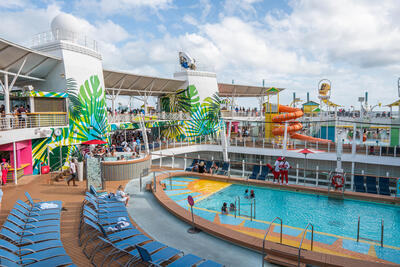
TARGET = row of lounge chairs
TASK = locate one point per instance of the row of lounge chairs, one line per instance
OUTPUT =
(30, 236)
(223, 167)
(257, 175)
(383, 185)
(98, 229)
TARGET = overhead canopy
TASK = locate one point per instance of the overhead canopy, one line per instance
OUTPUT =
(394, 104)
(229, 90)
(138, 85)
(37, 65)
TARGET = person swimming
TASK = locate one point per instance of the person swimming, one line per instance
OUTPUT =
(246, 193)
(224, 208)
(232, 207)
(252, 194)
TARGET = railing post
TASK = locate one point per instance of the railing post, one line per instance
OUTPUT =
(366, 150)
(382, 234)
(174, 143)
(154, 182)
(184, 167)
(254, 142)
(358, 229)
(244, 141)
(316, 175)
(160, 158)
(235, 141)
(380, 151)
(263, 142)
(329, 147)
(243, 166)
(173, 160)
(167, 143)
(297, 173)
(395, 151)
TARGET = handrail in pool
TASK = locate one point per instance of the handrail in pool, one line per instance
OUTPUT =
(302, 239)
(369, 239)
(265, 238)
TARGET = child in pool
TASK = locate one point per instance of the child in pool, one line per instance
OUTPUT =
(246, 193)
(224, 208)
(252, 194)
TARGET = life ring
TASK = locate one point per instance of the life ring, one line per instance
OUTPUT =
(338, 181)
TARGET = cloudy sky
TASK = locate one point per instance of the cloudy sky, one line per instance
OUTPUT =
(291, 44)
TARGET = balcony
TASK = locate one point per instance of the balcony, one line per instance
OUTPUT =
(33, 120)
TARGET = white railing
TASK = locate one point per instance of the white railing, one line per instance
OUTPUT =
(233, 113)
(148, 117)
(33, 120)
(63, 35)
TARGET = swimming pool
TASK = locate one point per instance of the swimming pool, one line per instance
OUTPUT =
(335, 221)
(328, 215)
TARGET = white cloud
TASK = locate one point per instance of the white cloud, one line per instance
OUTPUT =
(105, 7)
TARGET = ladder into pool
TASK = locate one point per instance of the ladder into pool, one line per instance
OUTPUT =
(252, 208)
(369, 239)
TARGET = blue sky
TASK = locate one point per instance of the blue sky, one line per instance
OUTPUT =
(291, 44)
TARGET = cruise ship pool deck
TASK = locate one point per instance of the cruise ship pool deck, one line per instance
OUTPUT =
(335, 225)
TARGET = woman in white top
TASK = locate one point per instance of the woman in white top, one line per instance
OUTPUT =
(120, 195)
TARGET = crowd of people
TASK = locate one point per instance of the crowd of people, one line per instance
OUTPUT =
(201, 168)
(18, 114)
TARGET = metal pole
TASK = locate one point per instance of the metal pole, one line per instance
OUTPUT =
(140, 182)
(251, 210)
(382, 234)
(243, 168)
(358, 229)
(15, 163)
(154, 182)
(61, 158)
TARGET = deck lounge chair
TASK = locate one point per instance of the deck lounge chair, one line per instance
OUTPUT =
(384, 186)
(187, 260)
(38, 204)
(224, 169)
(96, 193)
(160, 257)
(189, 169)
(359, 183)
(371, 185)
(256, 171)
(36, 259)
(264, 173)
(208, 166)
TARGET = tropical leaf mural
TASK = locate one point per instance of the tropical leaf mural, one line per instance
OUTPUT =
(87, 121)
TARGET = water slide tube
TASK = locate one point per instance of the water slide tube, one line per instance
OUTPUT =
(293, 126)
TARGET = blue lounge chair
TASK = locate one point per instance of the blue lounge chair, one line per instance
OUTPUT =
(224, 169)
(117, 249)
(160, 257)
(208, 166)
(96, 193)
(42, 219)
(384, 186)
(36, 210)
(33, 260)
(37, 204)
(359, 183)
(33, 230)
(256, 171)
(264, 173)
(187, 260)
(371, 185)
(189, 169)
(209, 263)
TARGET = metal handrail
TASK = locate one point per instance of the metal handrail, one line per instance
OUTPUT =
(237, 201)
(265, 237)
(302, 239)
(161, 171)
(368, 239)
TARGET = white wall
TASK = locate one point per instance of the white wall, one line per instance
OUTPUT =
(205, 82)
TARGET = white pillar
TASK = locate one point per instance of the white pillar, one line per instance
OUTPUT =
(15, 163)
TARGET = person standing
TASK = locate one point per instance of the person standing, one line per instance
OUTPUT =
(285, 166)
(4, 171)
(73, 173)
(276, 170)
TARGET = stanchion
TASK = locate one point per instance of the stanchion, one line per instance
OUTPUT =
(193, 229)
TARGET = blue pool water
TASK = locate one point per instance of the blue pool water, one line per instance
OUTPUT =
(332, 216)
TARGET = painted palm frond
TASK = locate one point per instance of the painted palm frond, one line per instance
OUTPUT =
(183, 100)
(213, 107)
(173, 129)
(74, 105)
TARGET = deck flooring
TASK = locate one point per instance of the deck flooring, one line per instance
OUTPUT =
(71, 197)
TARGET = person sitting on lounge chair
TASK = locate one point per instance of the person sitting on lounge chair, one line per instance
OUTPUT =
(120, 195)
(214, 168)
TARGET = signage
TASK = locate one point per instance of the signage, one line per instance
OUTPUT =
(190, 200)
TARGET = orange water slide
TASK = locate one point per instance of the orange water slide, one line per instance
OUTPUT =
(294, 126)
